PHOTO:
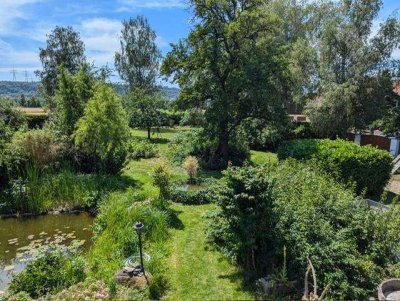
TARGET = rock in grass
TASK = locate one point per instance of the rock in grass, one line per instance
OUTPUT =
(9, 268)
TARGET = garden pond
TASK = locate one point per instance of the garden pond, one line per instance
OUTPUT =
(22, 238)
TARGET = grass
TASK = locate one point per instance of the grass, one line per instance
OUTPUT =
(258, 157)
(195, 272)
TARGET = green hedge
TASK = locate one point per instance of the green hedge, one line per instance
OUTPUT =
(366, 166)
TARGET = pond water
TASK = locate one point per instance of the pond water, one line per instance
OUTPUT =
(21, 238)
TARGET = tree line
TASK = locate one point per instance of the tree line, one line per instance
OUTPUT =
(250, 60)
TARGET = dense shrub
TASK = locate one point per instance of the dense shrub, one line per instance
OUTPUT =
(197, 143)
(263, 209)
(40, 147)
(242, 227)
(162, 180)
(140, 148)
(103, 130)
(367, 166)
(182, 195)
(49, 274)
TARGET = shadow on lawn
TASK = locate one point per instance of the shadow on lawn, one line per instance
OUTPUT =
(239, 277)
(175, 222)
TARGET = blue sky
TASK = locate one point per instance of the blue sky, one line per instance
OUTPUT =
(25, 23)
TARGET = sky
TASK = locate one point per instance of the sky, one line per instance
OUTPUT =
(24, 25)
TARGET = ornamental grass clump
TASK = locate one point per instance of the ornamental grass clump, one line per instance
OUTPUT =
(191, 166)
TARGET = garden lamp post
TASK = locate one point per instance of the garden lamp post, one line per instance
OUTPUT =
(139, 228)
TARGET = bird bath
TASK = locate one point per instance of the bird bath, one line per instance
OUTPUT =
(389, 290)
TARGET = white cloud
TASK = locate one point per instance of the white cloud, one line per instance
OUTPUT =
(102, 39)
(128, 5)
(10, 10)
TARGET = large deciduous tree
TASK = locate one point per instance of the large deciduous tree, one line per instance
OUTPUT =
(138, 61)
(65, 47)
(232, 64)
(340, 67)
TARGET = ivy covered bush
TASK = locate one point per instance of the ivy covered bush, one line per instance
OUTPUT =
(263, 209)
(368, 167)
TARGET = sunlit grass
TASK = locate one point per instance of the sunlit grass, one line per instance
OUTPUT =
(196, 272)
(258, 157)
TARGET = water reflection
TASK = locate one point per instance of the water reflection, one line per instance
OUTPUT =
(22, 238)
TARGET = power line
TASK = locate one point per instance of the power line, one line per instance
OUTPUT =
(14, 73)
(26, 76)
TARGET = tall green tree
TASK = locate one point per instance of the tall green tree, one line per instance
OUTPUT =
(145, 110)
(340, 69)
(233, 64)
(64, 46)
(72, 94)
(139, 58)
(103, 130)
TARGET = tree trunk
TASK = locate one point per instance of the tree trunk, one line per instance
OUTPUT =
(223, 146)
(148, 133)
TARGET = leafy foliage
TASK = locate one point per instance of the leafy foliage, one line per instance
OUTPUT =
(64, 47)
(138, 61)
(40, 147)
(367, 166)
(103, 130)
(50, 273)
(242, 227)
(197, 197)
(196, 143)
(341, 69)
(232, 65)
(141, 149)
(145, 110)
(263, 209)
(72, 94)
(162, 180)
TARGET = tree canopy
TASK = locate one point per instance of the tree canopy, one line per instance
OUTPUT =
(64, 46)
(139, 58)
(232, 64)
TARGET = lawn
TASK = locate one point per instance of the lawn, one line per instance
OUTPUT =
(195, 272)
(258, 157)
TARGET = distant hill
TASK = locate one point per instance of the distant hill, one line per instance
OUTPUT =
(15, 89)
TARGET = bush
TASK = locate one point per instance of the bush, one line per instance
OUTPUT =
(49, 274)
(367, 166)
(197, 143)
(263, 209)
(40, 147)
(242, 227)
(198, 197)
(103, 130)
(191, 165)
(141, 149)
(162, 180)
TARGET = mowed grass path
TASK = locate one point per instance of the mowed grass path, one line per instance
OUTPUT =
(195, 272)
